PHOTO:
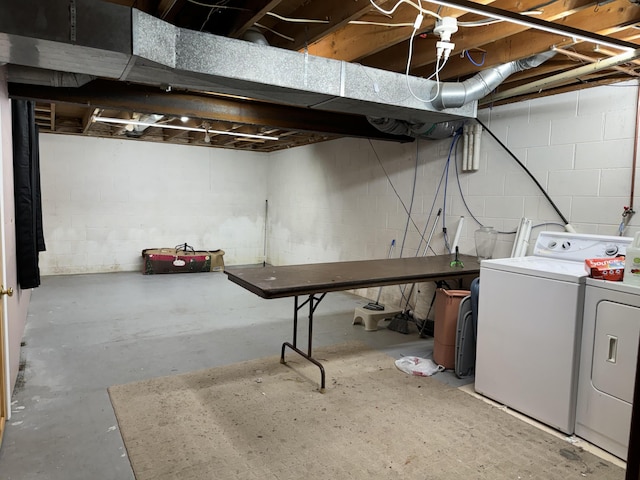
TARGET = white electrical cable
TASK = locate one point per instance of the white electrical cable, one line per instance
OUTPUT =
(209, 5)
(380, 24)
(271, 14)
(400, 2)
(295, 20)
(435, 74)
(274, 32)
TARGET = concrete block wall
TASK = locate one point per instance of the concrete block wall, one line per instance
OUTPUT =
(105, 200)
(579, 146)
(338, 203)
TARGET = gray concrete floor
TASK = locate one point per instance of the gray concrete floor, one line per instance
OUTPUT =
(87, 332)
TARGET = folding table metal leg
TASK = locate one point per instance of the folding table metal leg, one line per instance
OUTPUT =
(313, 302)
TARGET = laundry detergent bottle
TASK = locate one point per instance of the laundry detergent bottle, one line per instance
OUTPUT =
(632, 263)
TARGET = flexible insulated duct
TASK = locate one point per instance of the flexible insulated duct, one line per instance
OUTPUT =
(47, 78)
(431, 131)
(138, 130)
(456, 94)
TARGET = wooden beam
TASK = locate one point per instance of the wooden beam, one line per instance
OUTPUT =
(167, 9)
(588, 59)
(341, 13)
(621, 7)
(395, 58)
(120, 96)
(529, 42)
(87, 119)
(52, 118)
(244, 20)
(561, 78)
(354, 42)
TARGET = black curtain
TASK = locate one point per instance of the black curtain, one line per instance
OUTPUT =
(28, 202)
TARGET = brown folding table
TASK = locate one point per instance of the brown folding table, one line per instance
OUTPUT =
(317, 279)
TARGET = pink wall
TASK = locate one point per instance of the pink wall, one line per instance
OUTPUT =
(17, 305)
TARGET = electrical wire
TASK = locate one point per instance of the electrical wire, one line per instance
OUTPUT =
(215, 5)
(551, 202)
(413, 194)
(380, 24)
(477, 64)
(274, 32)
(400, 2)
(392, 185)
(295, 20)
(466, 206)
(464, 201)
(454, 141)
(271, 14)
(480, 23)
(436, 72)
(433, 204)
(206, 20)
(423, 233)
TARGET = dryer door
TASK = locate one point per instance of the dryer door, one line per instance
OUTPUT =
(615, 349)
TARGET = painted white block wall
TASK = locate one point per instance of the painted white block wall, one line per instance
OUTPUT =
(338, 203)
(105, 200)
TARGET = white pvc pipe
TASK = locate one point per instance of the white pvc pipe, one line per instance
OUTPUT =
(471, 150)
(477, 131)
(521, 242)
(525, 237)
(456, 238)
(517, 240)
(465, 148)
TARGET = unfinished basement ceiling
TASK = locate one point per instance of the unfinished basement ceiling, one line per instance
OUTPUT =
(351, 31)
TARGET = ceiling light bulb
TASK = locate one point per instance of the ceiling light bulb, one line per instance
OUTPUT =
(207, 138)
(184, 119)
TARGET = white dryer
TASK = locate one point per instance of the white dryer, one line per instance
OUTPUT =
(610, 335)
(530, 325)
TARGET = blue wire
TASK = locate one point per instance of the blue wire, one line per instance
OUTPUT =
(413, 194)
(446, 182)
(484, 54)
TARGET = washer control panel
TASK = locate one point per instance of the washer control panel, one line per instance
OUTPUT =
(578, 247)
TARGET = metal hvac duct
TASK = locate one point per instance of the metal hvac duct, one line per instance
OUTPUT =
(254, 35)
(116, 42)
(432, 131)
(137, 130)
(456, 94)
(47, 78)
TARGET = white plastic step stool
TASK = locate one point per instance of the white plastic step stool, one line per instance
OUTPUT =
(370, 318)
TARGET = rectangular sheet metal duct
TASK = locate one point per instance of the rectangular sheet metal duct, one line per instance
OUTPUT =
(149, 51)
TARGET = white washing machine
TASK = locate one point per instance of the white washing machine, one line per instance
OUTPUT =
(530, 325)
(610, 334)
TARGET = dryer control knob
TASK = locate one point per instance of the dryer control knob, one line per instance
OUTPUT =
(611, 250)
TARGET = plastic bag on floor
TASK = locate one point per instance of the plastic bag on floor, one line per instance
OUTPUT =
(421, 367)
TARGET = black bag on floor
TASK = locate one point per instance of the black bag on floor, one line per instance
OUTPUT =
(466, 332)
